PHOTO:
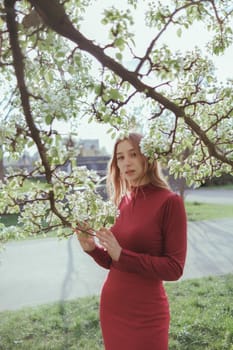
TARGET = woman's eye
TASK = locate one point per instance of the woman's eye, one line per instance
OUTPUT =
(134, 154)
(119, 158)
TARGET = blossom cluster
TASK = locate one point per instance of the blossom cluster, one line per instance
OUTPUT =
(77, 200)
(148, 146)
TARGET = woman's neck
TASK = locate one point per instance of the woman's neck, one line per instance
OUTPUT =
(143, 182)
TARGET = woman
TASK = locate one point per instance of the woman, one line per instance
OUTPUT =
(146, 246)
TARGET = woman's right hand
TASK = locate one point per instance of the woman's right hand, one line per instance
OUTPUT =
(86, 240)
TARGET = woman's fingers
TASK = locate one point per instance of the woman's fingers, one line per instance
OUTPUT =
(109, 242)
(105, 236)
(85, 239)
(84, 228)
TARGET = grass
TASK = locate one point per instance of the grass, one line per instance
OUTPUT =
(207, 211)
(201, 319)
(9, 219)
(202, 314)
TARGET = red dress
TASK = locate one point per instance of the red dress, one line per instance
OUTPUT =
(134, 310)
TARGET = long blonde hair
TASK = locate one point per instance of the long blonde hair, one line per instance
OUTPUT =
(118, 186)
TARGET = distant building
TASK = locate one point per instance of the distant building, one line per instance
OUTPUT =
(89, 147)
(91, 157)
(97, 163)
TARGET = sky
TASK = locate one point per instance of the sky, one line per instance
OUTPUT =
(196, 36)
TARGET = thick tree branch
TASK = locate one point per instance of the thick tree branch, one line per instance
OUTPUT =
(19, 72)
(55, 17)
(53, 14)
(24, 94)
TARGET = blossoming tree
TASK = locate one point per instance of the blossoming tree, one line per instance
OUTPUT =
(47, 75)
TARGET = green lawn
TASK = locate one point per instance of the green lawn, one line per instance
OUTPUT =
(9, 219)
(201, 310)
(228, 186)
(207, 211)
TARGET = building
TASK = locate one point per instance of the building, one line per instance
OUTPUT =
(89, 147)
(97, 163)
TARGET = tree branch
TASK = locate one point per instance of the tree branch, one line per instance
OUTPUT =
(19, 72)
(55, 17)
(24, 94)
(53, 14)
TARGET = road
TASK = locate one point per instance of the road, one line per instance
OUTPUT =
(39, 271)
(207, 195)
(35, 272)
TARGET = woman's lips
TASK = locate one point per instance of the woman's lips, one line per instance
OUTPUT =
(129, 172)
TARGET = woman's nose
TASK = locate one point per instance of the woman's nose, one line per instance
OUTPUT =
(127, 161)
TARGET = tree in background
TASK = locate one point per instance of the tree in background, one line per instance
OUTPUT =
(50, 71)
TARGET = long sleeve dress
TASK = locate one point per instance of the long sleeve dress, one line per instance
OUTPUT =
(151, 229)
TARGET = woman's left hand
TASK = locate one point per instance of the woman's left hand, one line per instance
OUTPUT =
(109, 242)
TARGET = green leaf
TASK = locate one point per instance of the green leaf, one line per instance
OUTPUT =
(179, 32)
(114, 94)
(48, 76)
(120, 43)
(119, 56)
(48, 119)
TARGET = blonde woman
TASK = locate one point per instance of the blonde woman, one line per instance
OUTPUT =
(146, 246)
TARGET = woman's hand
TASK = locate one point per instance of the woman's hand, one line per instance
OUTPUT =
(86, 240)
(109, 242)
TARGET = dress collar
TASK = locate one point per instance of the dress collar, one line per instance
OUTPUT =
(141, 190)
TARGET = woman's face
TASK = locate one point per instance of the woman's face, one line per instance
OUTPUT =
(130, 163)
